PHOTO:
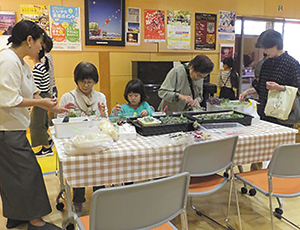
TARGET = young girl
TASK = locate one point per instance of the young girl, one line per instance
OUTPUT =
(228, 80)
(135, 95)
(39, 116)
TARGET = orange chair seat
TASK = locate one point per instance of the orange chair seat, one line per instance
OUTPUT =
(206, 183)
(86, 223)
(280, 185)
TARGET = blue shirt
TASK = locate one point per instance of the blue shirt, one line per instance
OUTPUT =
(128, 111)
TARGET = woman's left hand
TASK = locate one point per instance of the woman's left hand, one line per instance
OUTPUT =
(274, 86)
(101, 108)
(144, 113)
(60, 109)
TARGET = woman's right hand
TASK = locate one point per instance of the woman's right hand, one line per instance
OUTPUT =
(243, 96)
(186, 99)
(117, 109)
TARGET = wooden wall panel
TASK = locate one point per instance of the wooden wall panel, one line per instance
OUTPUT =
(289, 8)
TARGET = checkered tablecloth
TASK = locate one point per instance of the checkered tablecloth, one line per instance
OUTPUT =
(152, 157)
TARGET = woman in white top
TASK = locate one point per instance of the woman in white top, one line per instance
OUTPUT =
(23, 192)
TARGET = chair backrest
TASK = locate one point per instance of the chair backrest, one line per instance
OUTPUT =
(285, 161)
(207, 158)
(139, 206)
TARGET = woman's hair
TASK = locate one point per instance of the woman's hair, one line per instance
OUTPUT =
(85, 70)
(228, 61)
(48, 45)
(201, 64)
(135, 86)
(22, 30)
(269, 39)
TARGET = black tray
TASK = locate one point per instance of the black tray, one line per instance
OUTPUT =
(246, 120)
(161, 128)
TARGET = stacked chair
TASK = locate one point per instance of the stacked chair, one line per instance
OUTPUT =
(206, 163)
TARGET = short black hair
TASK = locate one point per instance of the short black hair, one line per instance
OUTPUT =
(48, 43)
(85, 70)
(22, 30)
(135, 86)
(269, 39)
(202, 64)
(228, 61)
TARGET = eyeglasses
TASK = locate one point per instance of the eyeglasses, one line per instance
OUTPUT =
(201, 75)
(89, 83)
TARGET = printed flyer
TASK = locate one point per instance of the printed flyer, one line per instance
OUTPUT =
(133, 27)
(154, 26)
(226, 50)
(205, 31)
(65, 28)
(7, 21)
(36, 13)
(226, 25)
(178, 29)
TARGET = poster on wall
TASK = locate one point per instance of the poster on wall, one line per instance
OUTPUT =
(205, 31)
(226, 50)
(36, 13)
(178, 29)
(226, 25)
(105, 22)
(65, 27)
(133, 26)
(155, 30)
(7, 21)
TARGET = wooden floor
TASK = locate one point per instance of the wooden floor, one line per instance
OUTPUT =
(254, 210)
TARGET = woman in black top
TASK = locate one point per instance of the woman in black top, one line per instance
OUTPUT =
(278, 70)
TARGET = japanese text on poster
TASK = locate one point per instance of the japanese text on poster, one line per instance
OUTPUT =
(178, 29)
(154, 26)
(133, 26)
(65, 27)
(205, 31)
(36, 13)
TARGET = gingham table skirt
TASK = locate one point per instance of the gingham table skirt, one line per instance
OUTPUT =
(148, 157)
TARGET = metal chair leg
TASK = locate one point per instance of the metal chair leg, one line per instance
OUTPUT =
(279, 202)
(184, 221)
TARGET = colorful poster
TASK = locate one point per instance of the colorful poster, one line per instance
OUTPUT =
(154, 26)
(7, 21)
(36, 13)
(105, 22)
(205, 31)
(178, 29)
(65, 27)
(226, 50)
(133, 26)
(226, 25)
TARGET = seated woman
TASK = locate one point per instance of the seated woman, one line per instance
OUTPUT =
(87, 102)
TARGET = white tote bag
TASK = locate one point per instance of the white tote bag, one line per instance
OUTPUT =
(280, 103)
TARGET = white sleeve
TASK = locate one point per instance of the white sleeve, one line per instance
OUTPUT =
(10, 82)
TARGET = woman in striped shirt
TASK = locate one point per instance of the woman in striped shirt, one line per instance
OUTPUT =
(39, 117)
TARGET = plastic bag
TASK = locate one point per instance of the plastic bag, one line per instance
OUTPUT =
(107, 127)
(280, 103)
(90, 139)
(87, 143)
